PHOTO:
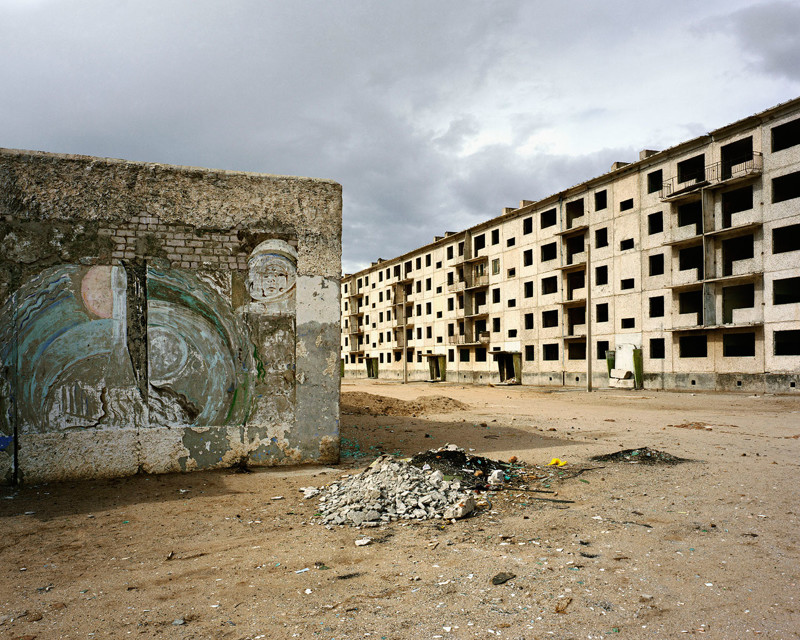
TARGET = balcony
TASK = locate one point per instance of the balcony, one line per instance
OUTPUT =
(356, 348)
(469, 339)
(355, 329)
(457, 285)
(717, 174)
(476, 282)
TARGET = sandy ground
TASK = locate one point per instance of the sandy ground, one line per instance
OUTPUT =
(707, 547)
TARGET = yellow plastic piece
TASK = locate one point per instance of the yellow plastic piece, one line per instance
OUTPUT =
(556, 462)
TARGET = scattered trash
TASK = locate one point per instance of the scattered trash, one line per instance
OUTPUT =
(178, 622)
(276, 498)
(496, 477)
(302, 570)
(503, 577)
(363, 542)
(642, 455)
(557, 462)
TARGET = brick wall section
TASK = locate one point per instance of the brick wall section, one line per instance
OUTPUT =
(184, 246)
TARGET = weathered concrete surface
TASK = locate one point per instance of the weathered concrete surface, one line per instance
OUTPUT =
(157, 318)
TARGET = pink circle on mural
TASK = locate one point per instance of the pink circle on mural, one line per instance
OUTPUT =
(96, 291)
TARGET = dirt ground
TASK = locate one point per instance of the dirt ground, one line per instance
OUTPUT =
(706, 547)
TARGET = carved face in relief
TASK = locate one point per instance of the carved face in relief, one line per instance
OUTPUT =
(270, 276)
(271, 271)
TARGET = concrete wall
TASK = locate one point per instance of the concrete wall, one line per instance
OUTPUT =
(158, 318)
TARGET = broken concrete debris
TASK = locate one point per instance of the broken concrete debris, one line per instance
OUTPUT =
(390, 490)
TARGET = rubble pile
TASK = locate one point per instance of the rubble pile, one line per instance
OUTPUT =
(391, 490)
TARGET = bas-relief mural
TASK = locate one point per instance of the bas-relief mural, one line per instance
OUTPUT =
(135, 346)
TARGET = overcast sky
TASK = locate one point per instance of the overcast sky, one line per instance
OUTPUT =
(432, 114)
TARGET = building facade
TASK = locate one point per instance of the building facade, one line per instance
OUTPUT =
(688, 258)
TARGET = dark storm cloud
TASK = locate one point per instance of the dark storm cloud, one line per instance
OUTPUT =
(770, 36)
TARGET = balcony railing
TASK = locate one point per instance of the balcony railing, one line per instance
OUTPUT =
(469, 338)
(355, 329)
(457, 285)
(713, 174)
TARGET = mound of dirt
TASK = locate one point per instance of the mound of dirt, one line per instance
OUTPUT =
(644, 455)
(359, 403)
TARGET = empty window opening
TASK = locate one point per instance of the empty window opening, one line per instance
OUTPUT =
(527, 226)
(601, 312)
(549, 285)
(655, 180)
(628, 323)
(655, 223)
(657, 307)
(496, 325)
(428, 260)
(576, 351)
(738, 345)
(627, 283)
(602, 347)
(527, 257)
(576, 321)
(495, 236)
(692, 170)
(737, 157)
(511, 273)
(786, 135)
(787, 343)
(786, 239)
(463, 355)
(786, 187)
(693, 347)
(574, 211)
(550, 318)
(786, 291)
(449, 253)
(511, 242)
(512, 333)
(461, 248)
(734, 202)
(451, 355)
(512, 303)
(626, 244)
(601, 275)
(656, 264)
(691, 302)
(495, 296)
(549, 252)
(657, 348)
(735, 249)
(528, 321)
(737, 297)
(692, 258)
(547, 218)
(479, 242)
(601, 238)
(528, 289)
(575, 247)
(550, 352)
(575, 281)
(691, 213)
(418, 262)
(480, 354)
(625, 205)
(600, 200)
(530, 352)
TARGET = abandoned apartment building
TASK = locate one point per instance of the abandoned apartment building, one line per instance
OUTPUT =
(678, 271)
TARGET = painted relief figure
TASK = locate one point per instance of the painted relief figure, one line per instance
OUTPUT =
(72, 365)
(272, 271)
(81, 354)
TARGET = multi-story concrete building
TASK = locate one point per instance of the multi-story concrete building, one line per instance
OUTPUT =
(688, 260)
